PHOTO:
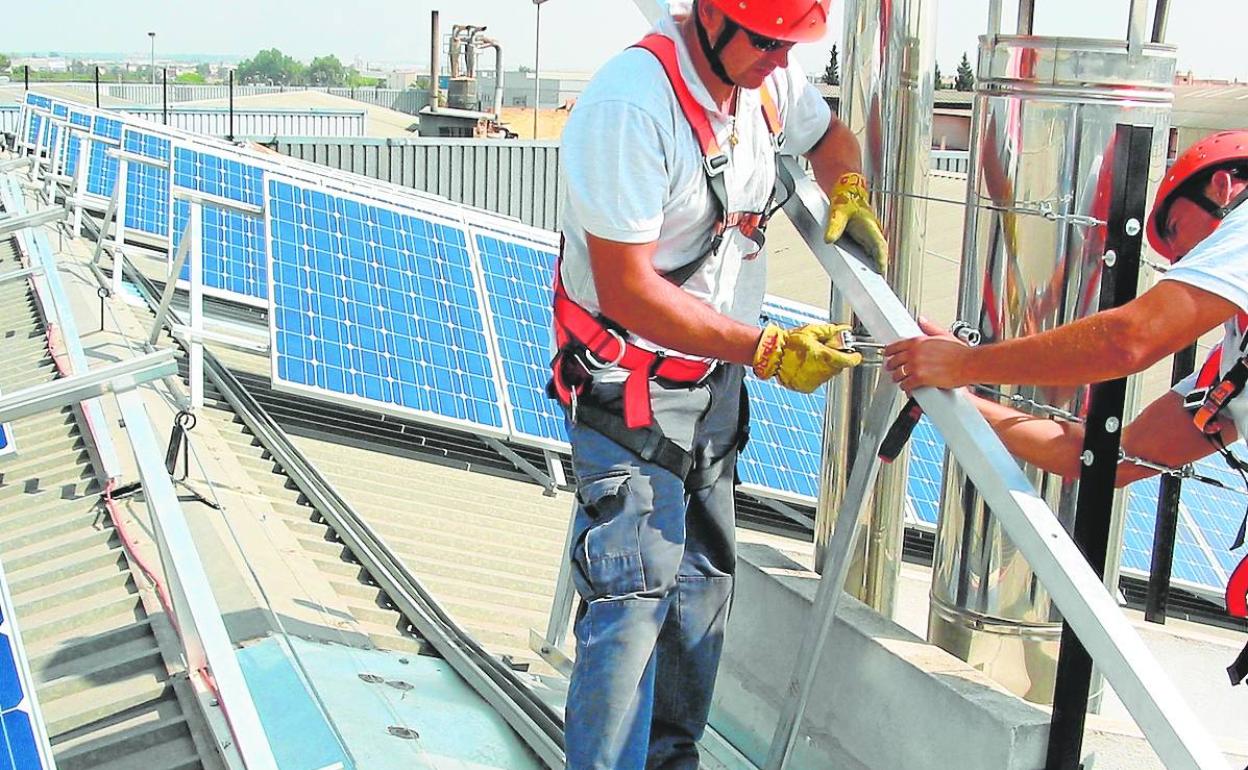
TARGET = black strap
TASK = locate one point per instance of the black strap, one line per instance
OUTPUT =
(713, 52)
(1238, 670)
(705, 476)
(649, 444)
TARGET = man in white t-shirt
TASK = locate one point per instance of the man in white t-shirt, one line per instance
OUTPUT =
(669, 161)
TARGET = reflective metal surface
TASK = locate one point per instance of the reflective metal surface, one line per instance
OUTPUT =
(886, 101)
(1042, 145)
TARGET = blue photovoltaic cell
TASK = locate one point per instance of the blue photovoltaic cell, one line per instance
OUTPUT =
(147, 187)
(927, 458)
(786, 428)
(74, 146)
(102, 171)
(231, 250)
(233, 243)
(1191, 565)
(6, 439)
(379, 307)
(38, 100)
(517, 285)
(60, 110)
(19, 746)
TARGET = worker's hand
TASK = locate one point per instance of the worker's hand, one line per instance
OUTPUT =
(848, 209)
(936, 360)
(802, 358)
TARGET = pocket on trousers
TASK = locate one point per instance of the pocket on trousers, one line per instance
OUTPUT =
(608, 554)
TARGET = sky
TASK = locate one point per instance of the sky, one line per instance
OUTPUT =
(577, 35)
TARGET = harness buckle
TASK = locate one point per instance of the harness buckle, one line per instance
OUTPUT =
(599, 363)
(715, 164)
(777, 142)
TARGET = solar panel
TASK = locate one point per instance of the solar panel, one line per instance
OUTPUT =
(379, 307)
(22, 735)
(927, 458)
(102, 168)
(517, 267)
(7, 447)
(781, 460)
(232, 243)
(73, 149)
(147, 187)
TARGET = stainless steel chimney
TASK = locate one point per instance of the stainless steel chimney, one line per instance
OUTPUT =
(886, 101)
(1044, 119)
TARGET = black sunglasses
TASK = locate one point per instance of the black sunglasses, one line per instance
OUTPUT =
(766, 44)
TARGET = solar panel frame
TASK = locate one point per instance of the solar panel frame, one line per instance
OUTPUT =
(448, 218)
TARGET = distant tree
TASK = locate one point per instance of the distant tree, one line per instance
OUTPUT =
(203, 69)
(193, 78)
(5, 63)
(356, 80)
(326, 71)
(271, 66)
(832, 74)
(524, 70)
(966, 76)
(937, 77)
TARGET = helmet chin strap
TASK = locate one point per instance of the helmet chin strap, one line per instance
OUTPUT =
(713, 52)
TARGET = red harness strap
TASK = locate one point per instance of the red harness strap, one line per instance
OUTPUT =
(574, 325)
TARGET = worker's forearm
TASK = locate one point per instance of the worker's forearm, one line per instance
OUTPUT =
(665, 314)
(1048, 444)
(1091, 350)
(836, 153)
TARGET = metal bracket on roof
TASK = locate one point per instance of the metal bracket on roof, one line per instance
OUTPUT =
(523, 465)
(12, 224)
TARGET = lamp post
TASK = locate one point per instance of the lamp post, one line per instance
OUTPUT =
(537, 69)
(152, 36)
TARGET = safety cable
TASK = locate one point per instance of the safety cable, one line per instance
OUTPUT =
(1045, 208)
(1048, 410)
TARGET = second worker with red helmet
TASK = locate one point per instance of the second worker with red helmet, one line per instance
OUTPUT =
(669, 163)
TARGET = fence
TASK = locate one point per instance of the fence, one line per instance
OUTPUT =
(515, 178)
(409, 100)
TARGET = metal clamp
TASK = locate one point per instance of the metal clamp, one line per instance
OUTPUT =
(600, 364)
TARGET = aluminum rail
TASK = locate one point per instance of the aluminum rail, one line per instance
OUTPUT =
(66, 391)
(534, 721)
(14, 222)
(1139, 681)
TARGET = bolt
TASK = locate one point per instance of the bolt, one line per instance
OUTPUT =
(1111, 425)
(1110, 258)
(1087, 457)
(1133, 227)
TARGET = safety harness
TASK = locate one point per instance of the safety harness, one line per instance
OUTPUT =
(587, 342)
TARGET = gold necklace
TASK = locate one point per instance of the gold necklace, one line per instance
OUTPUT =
(733, 136)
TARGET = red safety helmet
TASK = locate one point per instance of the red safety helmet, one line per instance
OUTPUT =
(795, 21)
(1220, 149)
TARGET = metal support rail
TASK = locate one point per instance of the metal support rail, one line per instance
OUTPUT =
(535, 722)
(1092, 613)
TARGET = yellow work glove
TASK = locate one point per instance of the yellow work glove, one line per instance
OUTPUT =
(848, 209)
(802, 358)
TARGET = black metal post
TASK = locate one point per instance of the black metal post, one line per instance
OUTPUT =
(164, 93)
(26, 77)
(1167, 523)
(97, 86)
(1102, 436)
(230, 136)
(1160, 17)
